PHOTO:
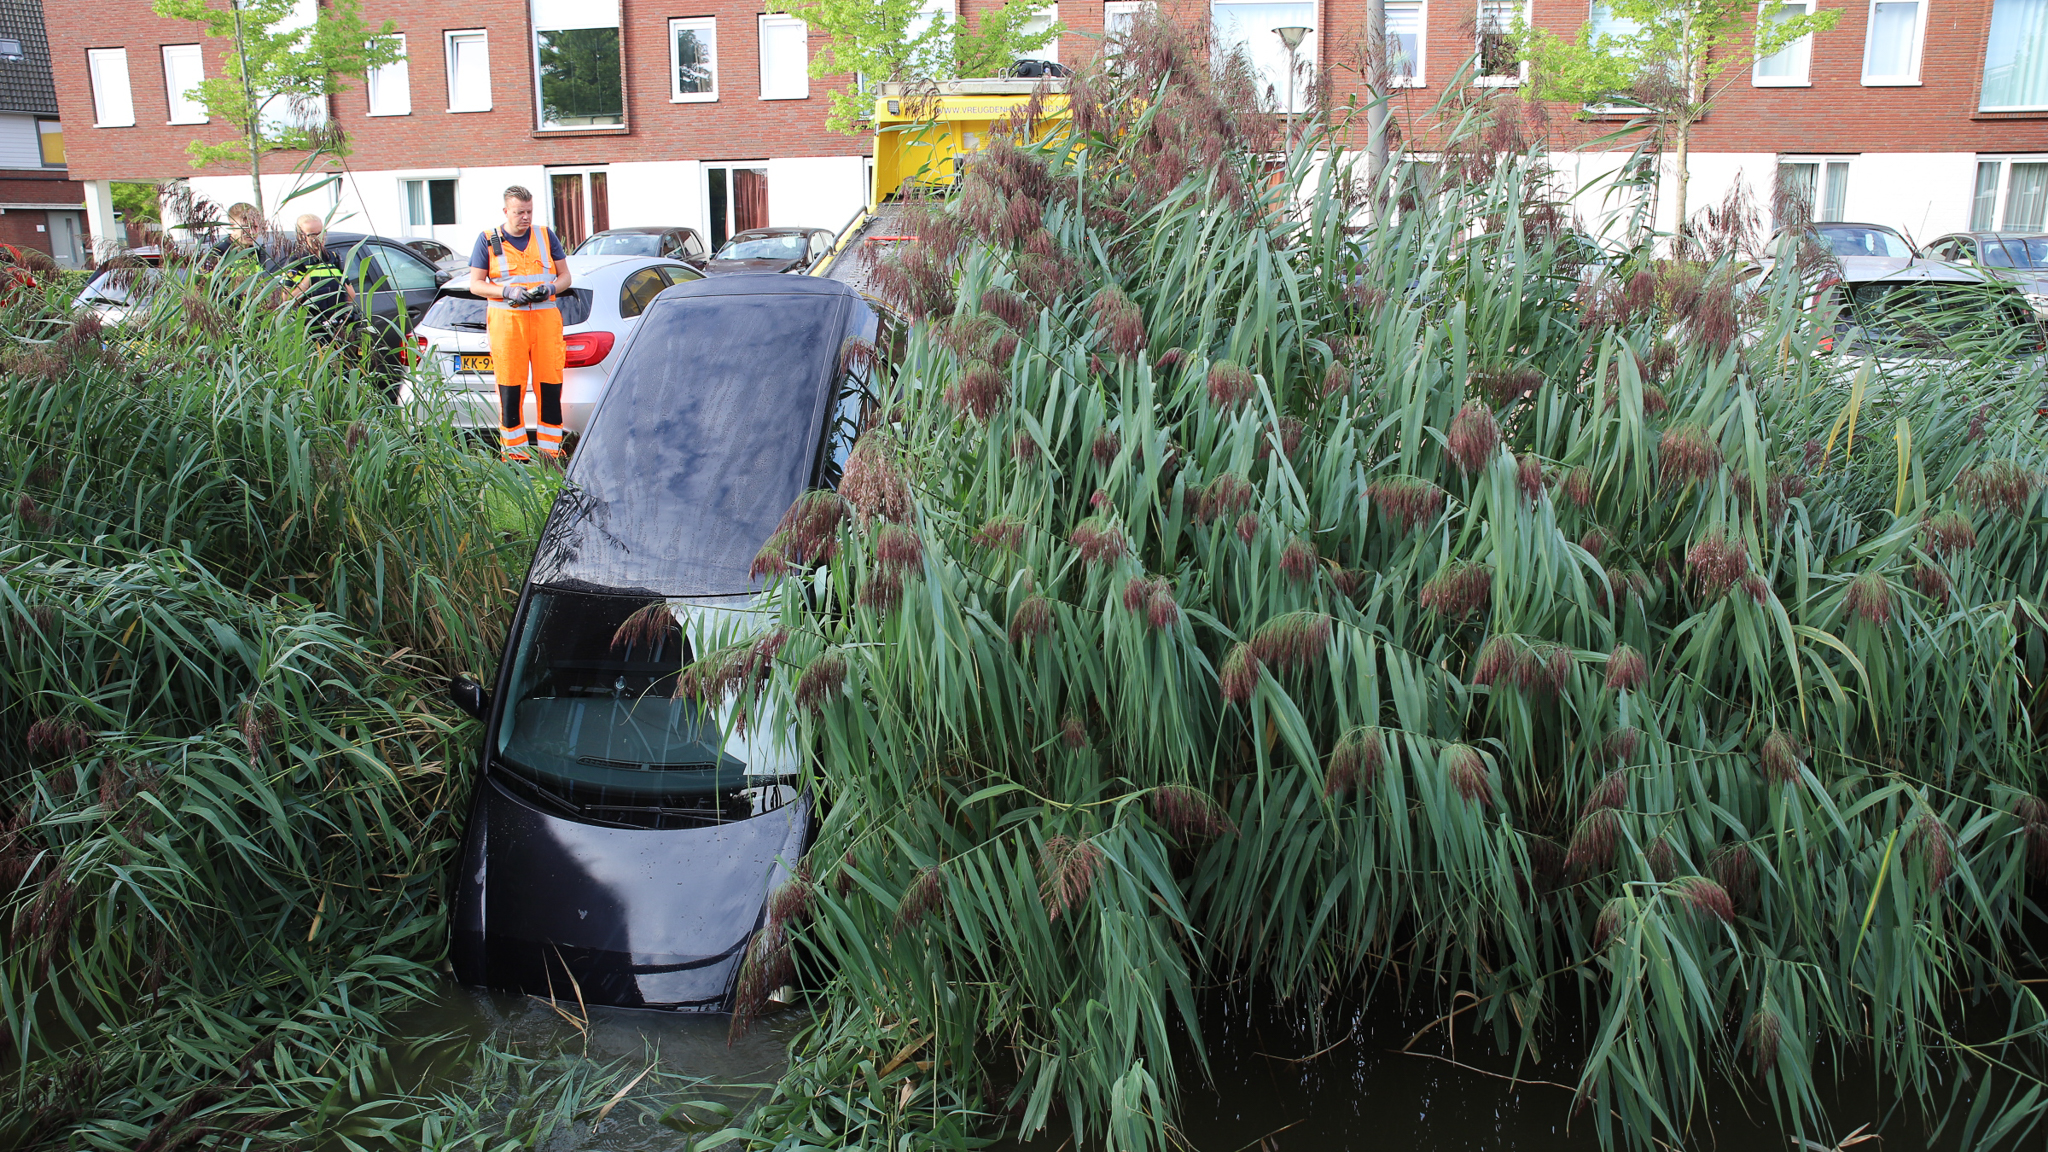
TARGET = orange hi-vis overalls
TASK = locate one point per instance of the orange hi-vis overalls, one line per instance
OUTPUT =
(526, 344)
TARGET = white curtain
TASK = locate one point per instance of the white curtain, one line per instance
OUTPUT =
(2016, 55)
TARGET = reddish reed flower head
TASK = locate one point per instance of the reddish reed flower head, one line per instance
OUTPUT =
(1350, 580)
(2000, 485)
(1654, 402)
(1596, 841)
(1503, 383)
(1687, 454)
(808, 532)
(1870, 598)
(1099, 499)
(925, 895)
(1734, 868)
(1608, 924)
(793, 902)
(1226, 495)
(1594, 542)
(1024, 447)
(1100, 542)
(1756, 588)
(1239, 675)
(821, 682)
(1761, 1037)
(1338, 380)
(1500, 660)
(2032, 812)
(1169, 359)
(1298, 560)
(1811, 454)
(1704, 896)
(1473, 438)
(1933, 842)
(1622, 744)
(1247, 527)
(1231, 384)
(1408, 500)
(1626, 669)
(1459, 589)
(1717, 561)
(1106, 447)
(1007, 307)
(1529, 472)
(1949, 533)
(648, 626)
(30, 513)
(1782, 753)
(1293, 640)
(882, 591)
(1356, 761)
(1033, 618)
(873, 481)
(1071, 867)
(1662, 859)
(1120, 319)
(1932, 583)
(1289, 431)
(1578, 487)
(1611, 792)
(1466, 770)
(1001, 532)
(54, 737)
(1977, 423)
(1188, 813)
(898, 549)
(1074, 733)
(979, 391)
(735, 668)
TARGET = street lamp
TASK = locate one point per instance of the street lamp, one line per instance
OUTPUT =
(1292, 36)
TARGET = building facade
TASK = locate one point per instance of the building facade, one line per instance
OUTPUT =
(40, 206)
(1928, 115)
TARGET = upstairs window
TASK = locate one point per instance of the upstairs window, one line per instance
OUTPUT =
(390, 87)
(1787, 67)
(1404, 43)
(785, 59)
(2016, 57)
(113, 103)
(50, 134)
(577, 75)
(1891, 48)
(1251, 27)
(469, 71)
(1037, 24)
(1499, 63)
(184, 68)
(693, 60)
(2011, 195)
(1119, 15)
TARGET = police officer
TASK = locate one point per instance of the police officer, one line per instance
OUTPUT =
(318, 282)
(520, 268)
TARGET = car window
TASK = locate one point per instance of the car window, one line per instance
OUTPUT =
(461, 311)
(821, 242)
(621, 244)
(639, 291)
(1858, 240)
(406, 270)
(860, 368)
(364, 267)
(784, 247)
(693, 244)
(680, 273)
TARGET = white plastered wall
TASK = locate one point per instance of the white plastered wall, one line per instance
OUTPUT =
(373, 201)
(816, 191)
(1924, 194)
(660, 193)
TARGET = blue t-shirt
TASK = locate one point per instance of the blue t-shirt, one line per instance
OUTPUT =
(480, 256)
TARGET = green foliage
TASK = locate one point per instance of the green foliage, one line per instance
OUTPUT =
(1214, 607)
(875, 40)
(137, 202)
(580, 80)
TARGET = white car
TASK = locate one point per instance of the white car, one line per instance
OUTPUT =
(600, 311)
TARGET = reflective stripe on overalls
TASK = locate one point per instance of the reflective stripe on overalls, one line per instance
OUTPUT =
(527, 350)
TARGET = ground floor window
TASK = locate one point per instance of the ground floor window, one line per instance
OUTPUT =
(582, 204)
(735, 199)
(427, 203)
(1810, 188)
(2011, 194)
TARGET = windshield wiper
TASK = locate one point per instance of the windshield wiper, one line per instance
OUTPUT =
(470, 325)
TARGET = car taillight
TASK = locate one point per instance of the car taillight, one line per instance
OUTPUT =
(415, 352)
(1827, 343)
(1820, 292)
(587, 348)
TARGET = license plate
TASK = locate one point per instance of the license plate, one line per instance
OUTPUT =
(474, 364)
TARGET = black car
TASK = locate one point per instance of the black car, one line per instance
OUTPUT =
(773, 250)
(622, 841)
(394, 284)
(676, 243)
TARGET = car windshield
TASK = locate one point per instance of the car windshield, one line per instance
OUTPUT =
(1950, 319)
(621, 244)
(1863, 240)
(119, 286)
(592, 714)
(457, 310)
(2016, 252)
(790, 247)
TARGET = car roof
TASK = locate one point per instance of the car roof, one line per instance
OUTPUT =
(642, 229)
(761, 284)
(1924, 271)
(779, 231)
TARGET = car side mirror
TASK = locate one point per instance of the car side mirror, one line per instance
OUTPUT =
(443, 275)
(469, 696)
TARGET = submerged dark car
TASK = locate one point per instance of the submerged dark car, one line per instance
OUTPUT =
(623, 839)
(772, 250)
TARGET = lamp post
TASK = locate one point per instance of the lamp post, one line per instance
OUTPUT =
(1292, 36)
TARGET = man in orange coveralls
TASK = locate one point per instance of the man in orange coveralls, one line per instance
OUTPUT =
(520, 269)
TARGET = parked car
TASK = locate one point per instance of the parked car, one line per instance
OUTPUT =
(1929, 311)
(438, 254)
(772, 250)
(2018, 258)
(1861, 249)
(676, 243)
(607, 298)
(623, 840)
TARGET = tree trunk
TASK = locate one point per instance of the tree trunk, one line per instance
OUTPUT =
(1376, 92)
(1679, 177)
(255, 122)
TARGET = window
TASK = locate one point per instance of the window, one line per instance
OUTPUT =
(933, 60)
(375, 267)
(582, 205)
(184, 68)
(390, 87)
(1119, 15)
(1404, 43)
(1785, 68)
(735, 199)
(1499, 64)
(693, 60)
(679, 273)
(639, 291)
(1249, 26)
(1036, 24)
(785, 59)
(577, 74)
(1811, 190)
(2016, 57)
(50, 133)
(113, 105)
(2011, 194)
(1891, 49)
(469, 71)
(293, 113)
(427, 203)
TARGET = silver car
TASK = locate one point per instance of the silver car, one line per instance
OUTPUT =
(2019, 259)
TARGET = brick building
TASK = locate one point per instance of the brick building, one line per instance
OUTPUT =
(1925, 114)
(41, 207)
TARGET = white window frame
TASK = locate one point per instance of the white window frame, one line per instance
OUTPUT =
(764, 22)
(1130, 10)
(1050, 13)
(448, 40)
(693, 23)
(1521, 75)
(2003, 194)
(389, 88)
(1803, 46)
(1984, 77)
(536, 29)
(1418, 80)
(1911, 79)
(1822, 163)
(184, 109)
(413, 228)
(111, 108)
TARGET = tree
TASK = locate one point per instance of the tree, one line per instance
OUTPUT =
(278, 76)
(907, 40)
(1670, 58)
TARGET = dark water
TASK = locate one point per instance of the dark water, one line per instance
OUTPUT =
(1275, 1085)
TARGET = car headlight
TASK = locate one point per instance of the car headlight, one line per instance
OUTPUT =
(2038, 301)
